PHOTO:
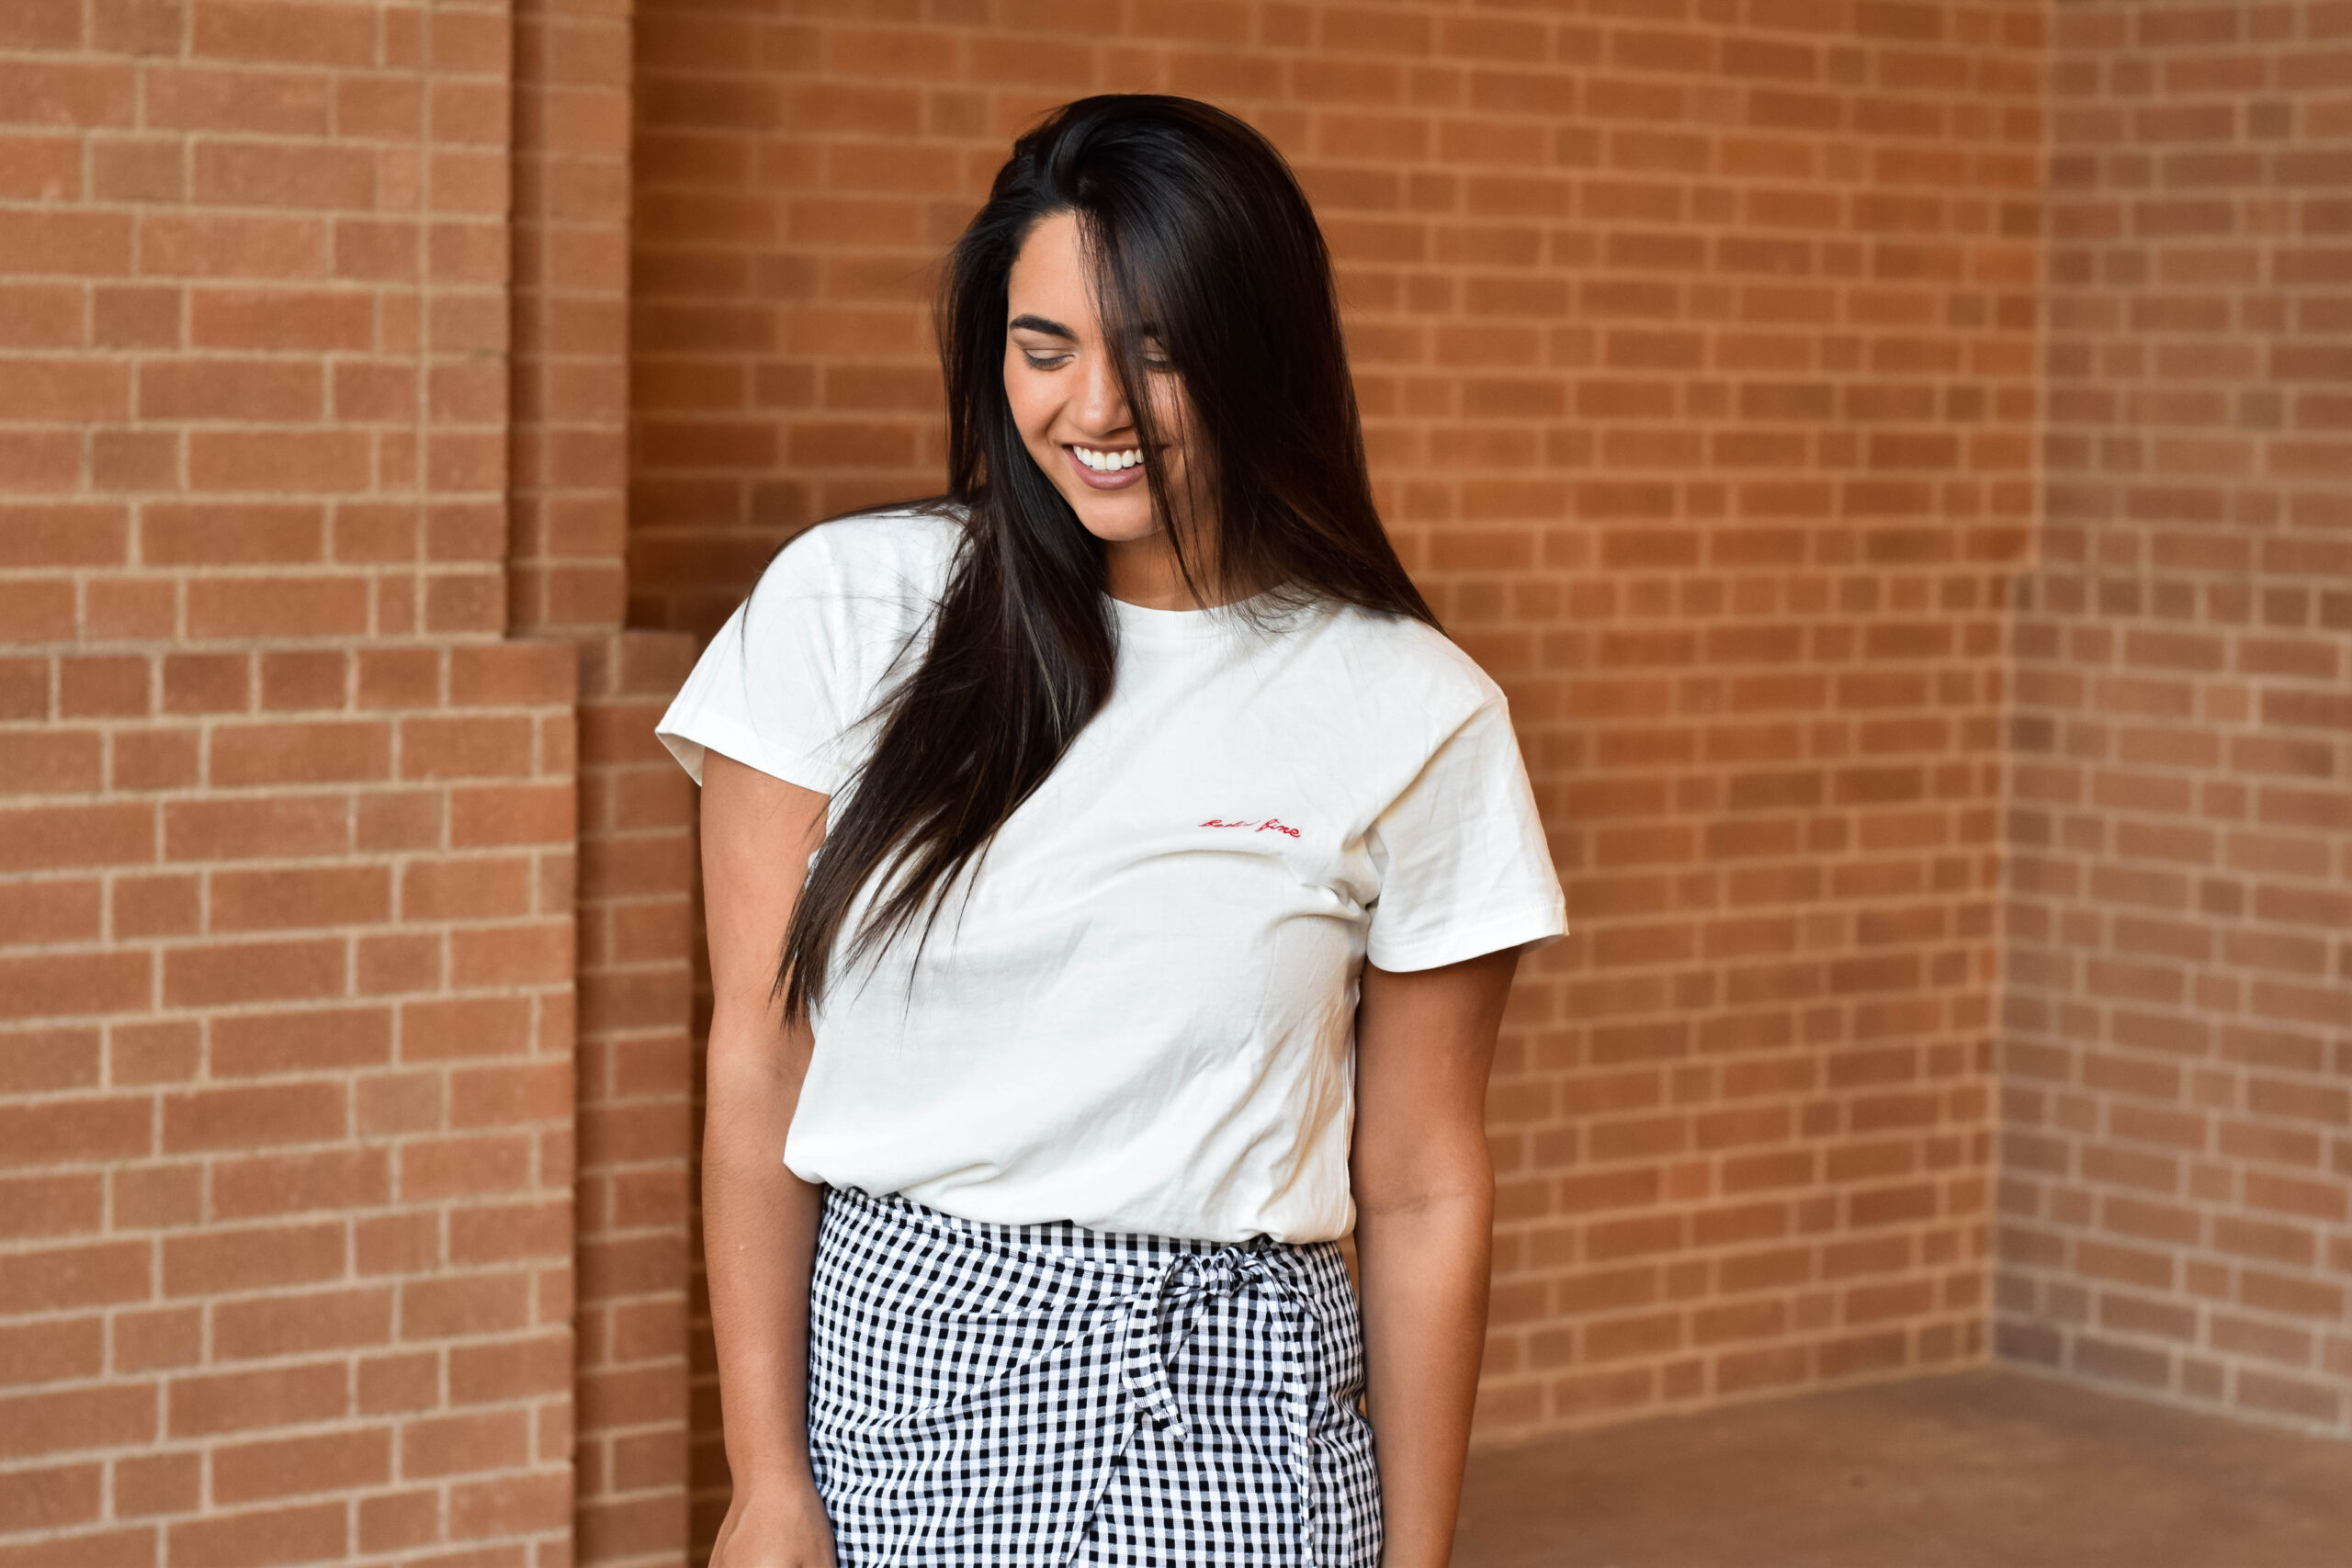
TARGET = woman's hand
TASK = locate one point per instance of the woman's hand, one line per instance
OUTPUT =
(778, 1525)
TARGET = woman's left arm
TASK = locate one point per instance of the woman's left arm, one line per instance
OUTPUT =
(1425, 1200)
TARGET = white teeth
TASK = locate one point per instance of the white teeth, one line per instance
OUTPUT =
(1108, 462)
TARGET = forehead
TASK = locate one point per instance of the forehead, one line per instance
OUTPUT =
(1050, 275)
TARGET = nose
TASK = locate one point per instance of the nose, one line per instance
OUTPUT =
(1102, 403)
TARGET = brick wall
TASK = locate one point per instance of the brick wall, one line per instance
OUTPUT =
(289, 835)
(2176, 1207)
(1695, 343)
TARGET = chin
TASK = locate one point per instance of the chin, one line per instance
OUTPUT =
(1118, 530)
(1129, 517)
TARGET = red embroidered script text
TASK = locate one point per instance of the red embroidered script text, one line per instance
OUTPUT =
(1271, 825)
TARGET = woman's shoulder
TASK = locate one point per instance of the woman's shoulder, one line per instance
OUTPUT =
(892, 551)
(1407, 655)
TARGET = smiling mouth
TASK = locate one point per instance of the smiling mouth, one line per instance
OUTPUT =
(1107, 460)
(1106, 468)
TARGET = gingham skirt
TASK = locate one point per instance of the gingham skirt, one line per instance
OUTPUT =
(1047, 1394)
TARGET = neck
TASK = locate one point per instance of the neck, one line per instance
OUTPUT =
(1144, 571)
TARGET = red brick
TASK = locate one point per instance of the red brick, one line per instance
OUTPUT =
(306, 175)
(464, 1445)
(110, 1416)
(157, 1197)
(261, 1328)
(252, 32)
(60, 983)
(243, 607)
(513, 955)
(511, 1504)
(313, 1533)
(247, 1402)
(33, 913)
(398, 1243)
(59, 1350)
(160, 1483)
(43, 24)
(389, 1522)
(476, 887)
(502, 1232)
(34, 612)
(72, 93)
(103, 687)
(154, 760)
(230, 535)
(284, 319)
(268, 1185)
(307, 1039)
(241, 1117)
(289, 1467)
(132, 317)
(226, 974)
(61, 535)
(304, 679)
(312, 462)
(512, 675)
(300, 896)
(38, 838)
(189, 245)
(434, 1168)
(465, 747)
(279, 103)
(510, 1096)
(93, 1548)
(153, 1341)
(223, 1260)
(522, 813)
(64, 1277)
(68, 1205)
(254, 828)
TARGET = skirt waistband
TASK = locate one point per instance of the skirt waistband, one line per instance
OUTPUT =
(1063, 1238)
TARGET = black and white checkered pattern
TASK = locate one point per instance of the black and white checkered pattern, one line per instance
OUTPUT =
(1047, 1394)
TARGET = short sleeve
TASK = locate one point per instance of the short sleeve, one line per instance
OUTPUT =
(773, 689)
(1464, 867)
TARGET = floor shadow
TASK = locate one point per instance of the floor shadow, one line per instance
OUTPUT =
(1989, 1468)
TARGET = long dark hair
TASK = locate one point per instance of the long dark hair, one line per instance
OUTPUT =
(1193, 224)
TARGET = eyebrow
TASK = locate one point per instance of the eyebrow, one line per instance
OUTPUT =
(1040, 324)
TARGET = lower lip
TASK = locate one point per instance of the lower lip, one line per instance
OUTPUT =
(1121, 479)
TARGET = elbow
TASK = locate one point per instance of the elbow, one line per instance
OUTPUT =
(1463, 1180)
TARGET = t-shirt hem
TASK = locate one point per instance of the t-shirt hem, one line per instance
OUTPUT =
(1529, 928)
(709, 732)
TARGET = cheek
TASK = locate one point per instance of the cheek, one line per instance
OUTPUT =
(1032, 401)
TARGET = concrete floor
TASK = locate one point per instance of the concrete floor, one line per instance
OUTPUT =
(1988, 1468)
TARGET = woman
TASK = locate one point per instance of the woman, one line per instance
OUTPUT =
(1166, 873)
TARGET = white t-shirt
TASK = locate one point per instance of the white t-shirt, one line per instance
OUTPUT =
(1143, 1017)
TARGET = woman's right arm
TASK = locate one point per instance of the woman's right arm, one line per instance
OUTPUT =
(759, 1220)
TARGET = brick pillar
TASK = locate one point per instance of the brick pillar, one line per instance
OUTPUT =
(288, 832)
(565, 578)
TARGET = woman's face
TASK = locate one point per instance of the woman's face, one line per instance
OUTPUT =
(1066, 398)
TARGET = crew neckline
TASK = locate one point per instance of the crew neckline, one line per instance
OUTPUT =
(1177, 626)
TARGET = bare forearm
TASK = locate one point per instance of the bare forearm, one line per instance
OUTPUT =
(1425, 1283)
(759, 1233)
